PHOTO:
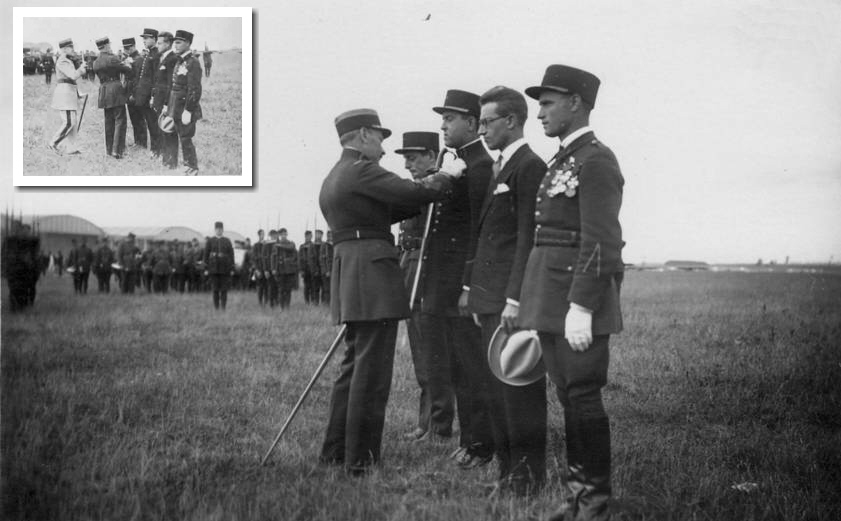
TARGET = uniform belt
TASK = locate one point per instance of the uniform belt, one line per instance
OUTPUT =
(553, 237)
(361, 233)
(65, 80)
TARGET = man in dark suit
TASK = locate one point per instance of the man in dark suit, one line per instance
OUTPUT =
(184, 97)
(167, 60)
(284, 267)
(452, 246)
(140, 96)
(112, 97)
(360, 200)
(104, 260)
(570, 293)
(219, 265)
(135, 115)
(506, 232)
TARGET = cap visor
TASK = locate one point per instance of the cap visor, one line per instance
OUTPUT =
(386, 132)
(535, 92)
(406, 150)
(446, 108)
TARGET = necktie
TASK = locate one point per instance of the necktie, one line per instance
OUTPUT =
(497, 166)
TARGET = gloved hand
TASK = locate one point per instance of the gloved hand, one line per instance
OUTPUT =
(462, 303)
(165, 109)
(186, 117)
(455, 169)
(578, 327)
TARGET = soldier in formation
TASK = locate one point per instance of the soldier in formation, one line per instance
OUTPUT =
(104, 259)
(304, 265)
(219, 265)
(284, 262)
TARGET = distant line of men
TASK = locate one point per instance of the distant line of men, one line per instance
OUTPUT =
(160, 88)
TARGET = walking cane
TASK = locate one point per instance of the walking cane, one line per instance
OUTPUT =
(307, 390)
(82, 113)
(429, 209)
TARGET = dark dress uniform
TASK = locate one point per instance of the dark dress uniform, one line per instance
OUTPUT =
(128, 255)
(304, 267)
(179, 267)
(185, 94)
(49, 65)
(161, 270)
(260, 273)
(505, 235)
(314, 266)
(360, 200)
(143, 84)
(284, 262)
(104, 259)
(219, 263)
(84, 263)
(160, 98)
(326, 263)
(135, 114)
(112, 98)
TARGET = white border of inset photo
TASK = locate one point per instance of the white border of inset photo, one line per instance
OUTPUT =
(178, 178)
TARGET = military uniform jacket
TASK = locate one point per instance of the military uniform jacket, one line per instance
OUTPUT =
(127, 256)
(268, 248)
(303, 258)
(111, 91)
(409, 240)
(82, 258)
(506, 233)
(186, 88)
(257, 257)
(284, 257)
(219, 256)
(66, 95)
(577, 255)
(360, 195)
(451, 232)
(144, 77)
(313, 258)
(163, 80)
(104, 258)
(131, 83)
(326, 258)
(162, 262)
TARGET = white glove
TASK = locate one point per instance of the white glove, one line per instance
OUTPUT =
(454, 169)
(165, 109)
(186, 117)
(578, 327)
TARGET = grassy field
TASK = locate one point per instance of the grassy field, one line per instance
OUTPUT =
(151, 407)
(222, 124)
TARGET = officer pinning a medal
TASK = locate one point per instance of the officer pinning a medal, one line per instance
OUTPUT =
(112, 97)
(360, 201)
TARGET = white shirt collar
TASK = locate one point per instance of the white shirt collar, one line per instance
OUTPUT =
(462, 147)
(167, 52)
(509, 151)
(567, 141)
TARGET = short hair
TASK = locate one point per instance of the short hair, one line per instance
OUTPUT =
(508, 101)
(167, 36)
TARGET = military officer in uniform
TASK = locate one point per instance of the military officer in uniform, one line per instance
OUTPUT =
(284, 267)
(84, 263)
(304, 266)
(570, 292)
(135, 115)
(271, 278)
(104, 259)
(167, 60)
(360, 200)
(48, 64)
(66, 99)
(112, 97)
(506, 232)
(315, 267)
(260, 270)
(127, 255)
(143, 83)
(326, 264)
(185, 94)
(219, 265)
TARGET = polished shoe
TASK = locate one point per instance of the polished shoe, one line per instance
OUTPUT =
(470, 459)
(416, 435)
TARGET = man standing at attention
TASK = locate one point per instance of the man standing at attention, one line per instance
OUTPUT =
(184, 106)
(138, 123)
(112, 97)
(219, 265)
(506, 232)
(160, 97)
(360, 201)
(570, 292)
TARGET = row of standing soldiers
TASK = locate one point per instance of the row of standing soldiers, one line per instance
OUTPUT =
(277, 263)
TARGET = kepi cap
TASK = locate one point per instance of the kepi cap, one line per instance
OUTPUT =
(460, 101)
(218, 224)
(183, 35)
(358, 118)
(516, 358)
(150, 33)
(102, 42)
(65, 43)
(567, 80)
(419, 142)
(128, 42)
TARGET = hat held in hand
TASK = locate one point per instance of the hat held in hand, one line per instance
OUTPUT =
(516, 358)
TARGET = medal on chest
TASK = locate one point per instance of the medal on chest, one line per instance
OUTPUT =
(564, 179)
(182, 69)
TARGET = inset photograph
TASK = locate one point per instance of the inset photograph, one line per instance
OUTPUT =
(111, 97)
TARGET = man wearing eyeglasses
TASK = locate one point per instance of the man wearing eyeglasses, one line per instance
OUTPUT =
(506, 232)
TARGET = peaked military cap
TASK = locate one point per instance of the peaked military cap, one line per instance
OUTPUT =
(419, 142)
(150, 33)
(218, 224)
(358, 118)
(282, 230)
(568, 80)
(272, 232)
(128, 42)
(102, 42)
(184, 35)
(65, 43)
(460, 101)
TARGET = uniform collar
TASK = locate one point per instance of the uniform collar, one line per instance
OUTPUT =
(471, 150)
(567, 141)
(509, 151)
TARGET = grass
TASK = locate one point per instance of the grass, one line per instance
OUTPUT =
(222, 124)
(151, 407)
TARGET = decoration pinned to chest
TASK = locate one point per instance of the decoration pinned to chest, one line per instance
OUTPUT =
(182, 69)
(564, 180)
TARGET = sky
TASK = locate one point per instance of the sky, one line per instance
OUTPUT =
(217, 33)
(725, 116)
